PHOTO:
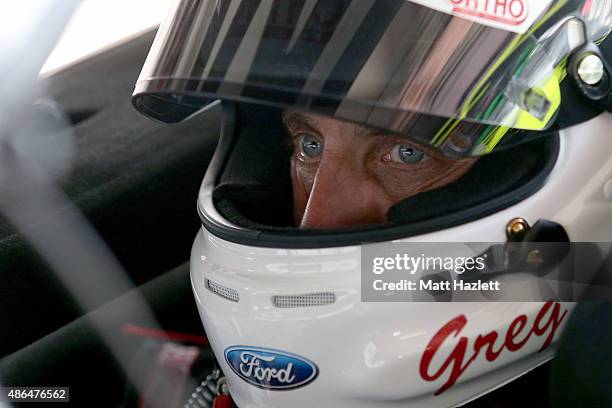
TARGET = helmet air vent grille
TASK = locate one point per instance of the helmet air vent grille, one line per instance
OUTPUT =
(306, 300)
(223, 291)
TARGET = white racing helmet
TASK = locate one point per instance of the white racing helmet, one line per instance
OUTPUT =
(300, 317)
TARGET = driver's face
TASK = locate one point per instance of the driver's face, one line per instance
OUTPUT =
(346, 175)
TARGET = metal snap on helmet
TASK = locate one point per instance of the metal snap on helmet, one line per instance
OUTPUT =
(524, 85)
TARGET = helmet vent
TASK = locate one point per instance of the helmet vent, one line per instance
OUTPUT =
(306, 300)
(223, 291)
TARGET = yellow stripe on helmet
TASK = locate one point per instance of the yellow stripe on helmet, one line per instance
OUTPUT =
(478, 92)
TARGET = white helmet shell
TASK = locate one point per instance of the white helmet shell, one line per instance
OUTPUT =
(294, 319)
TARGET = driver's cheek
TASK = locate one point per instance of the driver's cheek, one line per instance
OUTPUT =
(340, 195)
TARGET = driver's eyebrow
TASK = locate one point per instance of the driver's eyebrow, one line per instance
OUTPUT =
(296, 121)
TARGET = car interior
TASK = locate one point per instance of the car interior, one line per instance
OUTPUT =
(136, 182)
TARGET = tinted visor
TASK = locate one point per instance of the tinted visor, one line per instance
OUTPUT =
(395, 65)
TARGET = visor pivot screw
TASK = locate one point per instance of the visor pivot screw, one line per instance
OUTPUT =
(516, 229)
(591, 69)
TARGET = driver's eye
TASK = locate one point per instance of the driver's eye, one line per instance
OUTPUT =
(407, 154)
(311, 146)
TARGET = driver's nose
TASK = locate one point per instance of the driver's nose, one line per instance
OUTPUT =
(344, 195)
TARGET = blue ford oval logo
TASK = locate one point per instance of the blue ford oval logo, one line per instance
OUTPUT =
(270, 369)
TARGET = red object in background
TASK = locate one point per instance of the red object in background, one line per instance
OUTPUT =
(167, 335)
(223, 401)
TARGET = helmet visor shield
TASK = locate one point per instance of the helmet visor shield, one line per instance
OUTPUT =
(393, 64)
